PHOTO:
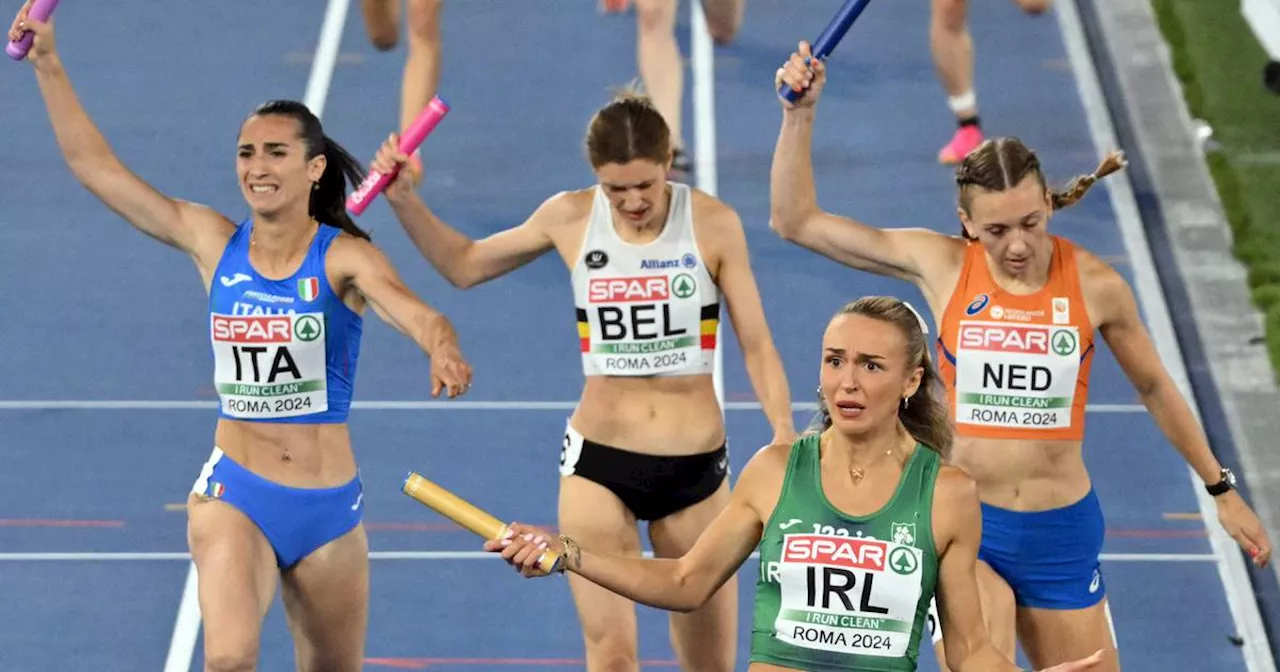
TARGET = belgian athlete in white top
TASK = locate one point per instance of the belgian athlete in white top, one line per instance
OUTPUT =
(648, 259)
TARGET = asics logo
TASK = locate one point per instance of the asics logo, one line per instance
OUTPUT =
(235, 279)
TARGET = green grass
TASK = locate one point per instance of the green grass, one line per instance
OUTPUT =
(1219, 62)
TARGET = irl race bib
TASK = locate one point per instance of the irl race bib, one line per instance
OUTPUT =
(270, 366)
(1016, 375)
(847, 594)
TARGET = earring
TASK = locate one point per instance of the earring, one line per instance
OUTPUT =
(906, 401)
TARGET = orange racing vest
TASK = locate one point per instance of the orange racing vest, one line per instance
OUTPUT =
(1017, 366)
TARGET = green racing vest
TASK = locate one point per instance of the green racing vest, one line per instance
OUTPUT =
(842, 592)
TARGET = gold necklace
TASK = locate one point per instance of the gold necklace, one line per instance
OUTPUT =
(859, 473)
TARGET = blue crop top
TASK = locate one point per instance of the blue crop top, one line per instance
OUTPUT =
(283, 350)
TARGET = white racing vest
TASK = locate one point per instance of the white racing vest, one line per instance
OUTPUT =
(645, 309)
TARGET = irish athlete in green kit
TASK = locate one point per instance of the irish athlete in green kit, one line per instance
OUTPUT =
(858, 524)
(843, 591)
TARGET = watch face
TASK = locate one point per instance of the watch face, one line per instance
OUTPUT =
(1230, 477)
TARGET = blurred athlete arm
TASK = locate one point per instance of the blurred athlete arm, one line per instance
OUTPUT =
(465, 262)
(682, 584)
(192, 228)
(363, 265)
(462, 261)
(957, 531)
(737, 281)
(914, 255)
(1121, 326)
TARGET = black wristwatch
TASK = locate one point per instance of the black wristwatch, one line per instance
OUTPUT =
(1227, 484)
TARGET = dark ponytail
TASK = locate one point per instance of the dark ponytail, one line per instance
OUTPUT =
(329, 196)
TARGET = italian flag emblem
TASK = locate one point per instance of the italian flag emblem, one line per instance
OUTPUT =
(309, 288)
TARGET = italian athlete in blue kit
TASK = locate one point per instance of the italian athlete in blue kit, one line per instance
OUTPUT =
(280, 500)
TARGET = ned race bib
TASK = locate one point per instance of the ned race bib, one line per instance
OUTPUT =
(1016, 375)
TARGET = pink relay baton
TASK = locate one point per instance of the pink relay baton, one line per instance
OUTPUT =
(40, 11)
(413, 136)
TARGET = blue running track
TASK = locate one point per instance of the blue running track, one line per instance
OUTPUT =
(93, 546)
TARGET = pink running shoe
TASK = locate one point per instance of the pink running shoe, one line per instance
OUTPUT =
(966, 139)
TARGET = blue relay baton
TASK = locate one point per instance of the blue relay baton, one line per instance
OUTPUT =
(830, 37)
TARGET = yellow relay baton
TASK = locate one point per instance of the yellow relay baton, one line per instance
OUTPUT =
(467, 514)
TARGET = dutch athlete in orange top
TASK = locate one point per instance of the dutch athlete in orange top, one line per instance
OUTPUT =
(649, 261)
(1020, 310)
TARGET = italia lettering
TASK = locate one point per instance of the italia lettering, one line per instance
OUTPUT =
(839, 583)
(1018, 377)
(282, 363)
(643, 324)
(251, 309)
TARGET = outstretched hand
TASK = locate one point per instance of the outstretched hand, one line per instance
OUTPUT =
(1244, 526)
(450, 372)
(524, 545)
